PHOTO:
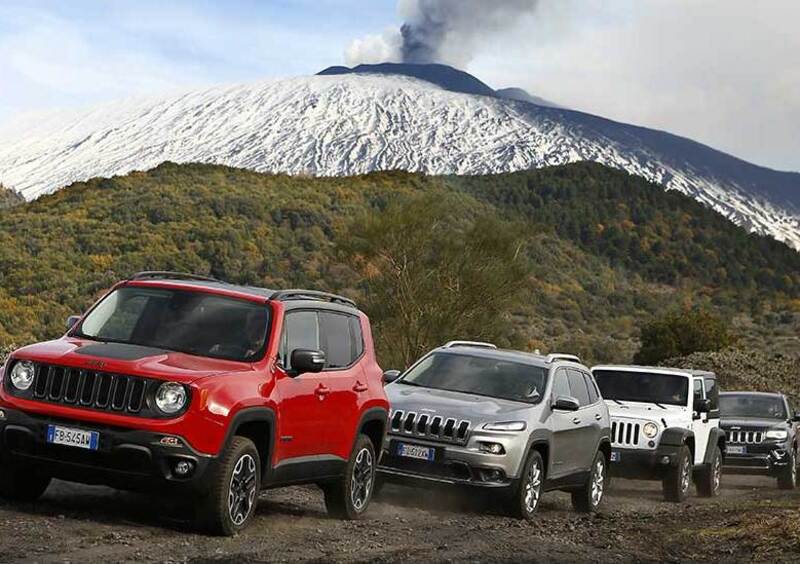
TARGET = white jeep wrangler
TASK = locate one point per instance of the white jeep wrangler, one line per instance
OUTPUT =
(664, 426)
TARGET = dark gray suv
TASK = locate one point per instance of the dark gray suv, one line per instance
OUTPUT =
(472, 415)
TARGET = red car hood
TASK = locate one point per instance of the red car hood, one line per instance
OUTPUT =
(128, 359)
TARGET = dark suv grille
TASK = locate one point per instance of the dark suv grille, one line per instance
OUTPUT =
(90, 389)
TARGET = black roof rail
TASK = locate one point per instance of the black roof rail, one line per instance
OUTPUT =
(169, 275)
(285, 295)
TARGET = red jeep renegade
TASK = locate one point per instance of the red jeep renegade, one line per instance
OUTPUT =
(185, 382)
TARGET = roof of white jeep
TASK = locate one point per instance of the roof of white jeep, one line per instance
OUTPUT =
(652, 369)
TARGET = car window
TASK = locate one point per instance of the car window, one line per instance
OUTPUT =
(593, 394)
(712, 393)
(698, 392)
(561, 385)
(357, 337)
(300, 331)
(336, 339)
(577, 386)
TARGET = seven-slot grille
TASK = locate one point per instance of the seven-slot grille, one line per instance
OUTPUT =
(426, 426)
(88, 388)
(745, 437)
(626, 433)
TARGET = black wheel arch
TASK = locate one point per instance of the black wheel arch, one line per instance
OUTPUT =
(716, 438)
(373, 423)
(677, 437)
(258, 425)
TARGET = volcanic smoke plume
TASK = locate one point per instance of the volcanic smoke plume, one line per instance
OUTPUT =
(440, 31)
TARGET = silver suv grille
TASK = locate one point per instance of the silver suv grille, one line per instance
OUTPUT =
(745, 437)
(626, 433)
(434, 427)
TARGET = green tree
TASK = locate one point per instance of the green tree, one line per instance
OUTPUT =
(682, 332)
(434, 268)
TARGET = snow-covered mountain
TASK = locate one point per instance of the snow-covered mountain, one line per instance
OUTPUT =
(351, 122)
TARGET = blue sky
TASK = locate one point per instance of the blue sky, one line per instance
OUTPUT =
(723, 72)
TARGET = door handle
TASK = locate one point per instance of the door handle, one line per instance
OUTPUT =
(597, 417)
(359, 387)
(576, 420)
(322, 391)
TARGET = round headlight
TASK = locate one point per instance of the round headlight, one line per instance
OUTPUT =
(22, 375)
(650, 430)
(171, 397)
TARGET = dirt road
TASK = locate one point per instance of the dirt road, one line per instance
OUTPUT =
(751, 520)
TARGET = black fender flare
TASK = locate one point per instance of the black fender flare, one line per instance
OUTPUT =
(373, 414)
(249, 415)
(538, 437)
(675, 437)
(715, 438)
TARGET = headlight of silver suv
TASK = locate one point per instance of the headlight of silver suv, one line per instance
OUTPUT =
(650, 430)
(777, 434)
(171, 397)
(22, 375)
(505, 426)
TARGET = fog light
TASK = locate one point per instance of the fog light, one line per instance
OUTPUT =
(183, 468)
(651, 444)
(665, 460)
(492, 448)
(778, 455)
(2, 414)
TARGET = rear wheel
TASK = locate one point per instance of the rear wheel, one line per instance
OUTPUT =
(787, 480)
(233, 495)
(348, 497)
(588, 498)
(710, 477)
(21, 483)
(525, 500)
(676, 482)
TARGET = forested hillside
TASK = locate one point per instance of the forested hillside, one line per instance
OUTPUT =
(606, 250)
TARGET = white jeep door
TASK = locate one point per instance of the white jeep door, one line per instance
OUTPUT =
(701, 424)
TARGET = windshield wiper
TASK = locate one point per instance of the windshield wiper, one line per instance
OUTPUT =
(618, 402)
(659, 405)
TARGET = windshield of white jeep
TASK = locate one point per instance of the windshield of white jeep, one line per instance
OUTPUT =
(191, 322)
(480, 376)
(646, 387)
(749, 405)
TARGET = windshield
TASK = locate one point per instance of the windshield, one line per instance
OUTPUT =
(647, 387)
(191, 322)
(480, 376)
(748, 405)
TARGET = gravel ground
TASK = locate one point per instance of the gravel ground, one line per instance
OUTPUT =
(751, 520)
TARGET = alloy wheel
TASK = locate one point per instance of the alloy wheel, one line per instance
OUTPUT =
(362, 479)
(242, 490)
(717, 474)
(685, 475)
(533, 487)
(598, 482)
(793, 464)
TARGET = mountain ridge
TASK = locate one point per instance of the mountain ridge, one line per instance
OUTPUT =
(353, 123)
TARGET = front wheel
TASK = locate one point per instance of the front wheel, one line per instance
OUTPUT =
(349, 496)
(525, 500)
(787, 480)
(676, 482)
(21, 483)
(233, 495)
(588, 498)
(710, 477)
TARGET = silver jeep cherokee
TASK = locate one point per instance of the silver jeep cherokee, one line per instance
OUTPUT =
(520, 423)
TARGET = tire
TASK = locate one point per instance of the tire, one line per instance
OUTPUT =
(787, 480)
(526, 497)
(349, 497)
(590, 496)
(233, 491)
(709, 478)
(21, 483)
(676, 483)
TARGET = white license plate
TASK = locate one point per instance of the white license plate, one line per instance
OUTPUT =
(58, 435)
(615, 456)
(737, 450)
(416, 451)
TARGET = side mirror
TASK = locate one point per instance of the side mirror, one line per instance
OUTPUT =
(796, 417)
(390, 376)
(307, 360)
(566, 403)
(72, 320)
(703, 406)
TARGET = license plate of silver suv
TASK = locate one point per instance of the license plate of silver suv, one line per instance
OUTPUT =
(417, 452)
